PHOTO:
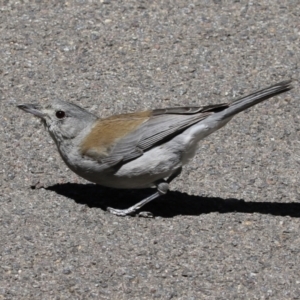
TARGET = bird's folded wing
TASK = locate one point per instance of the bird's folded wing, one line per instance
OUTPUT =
(161, 126)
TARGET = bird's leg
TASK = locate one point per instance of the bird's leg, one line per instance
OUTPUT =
(162, 188)
(124, 212)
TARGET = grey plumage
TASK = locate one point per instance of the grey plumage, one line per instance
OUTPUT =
(141, 149)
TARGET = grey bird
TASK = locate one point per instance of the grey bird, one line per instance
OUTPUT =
(141, 149)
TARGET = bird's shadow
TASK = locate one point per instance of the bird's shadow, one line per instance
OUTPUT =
(172, 204)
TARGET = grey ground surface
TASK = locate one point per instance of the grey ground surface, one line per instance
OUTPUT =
(229, 229)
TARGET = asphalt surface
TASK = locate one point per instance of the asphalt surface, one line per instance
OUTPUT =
(229, 229)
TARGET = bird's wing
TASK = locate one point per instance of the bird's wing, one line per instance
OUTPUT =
(160, 126)
(121, 138)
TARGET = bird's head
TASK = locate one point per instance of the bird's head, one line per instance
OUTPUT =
(63, 120)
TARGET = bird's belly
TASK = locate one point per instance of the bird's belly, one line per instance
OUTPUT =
(142, 172)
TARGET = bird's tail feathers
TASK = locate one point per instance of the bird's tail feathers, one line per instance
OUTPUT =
(243, 103)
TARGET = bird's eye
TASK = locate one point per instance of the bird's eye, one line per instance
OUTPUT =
(60, 114)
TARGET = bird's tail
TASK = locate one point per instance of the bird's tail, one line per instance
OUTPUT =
(243, 103)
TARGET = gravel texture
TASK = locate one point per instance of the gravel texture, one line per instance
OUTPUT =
(229, 229)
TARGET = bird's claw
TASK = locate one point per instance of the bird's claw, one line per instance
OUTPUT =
(119, 212)
(145, 214)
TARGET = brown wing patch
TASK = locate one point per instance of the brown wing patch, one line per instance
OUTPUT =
(107, 132)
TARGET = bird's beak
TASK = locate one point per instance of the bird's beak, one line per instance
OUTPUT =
(34, 109)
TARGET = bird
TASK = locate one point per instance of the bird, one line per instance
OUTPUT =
(140, 149)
